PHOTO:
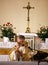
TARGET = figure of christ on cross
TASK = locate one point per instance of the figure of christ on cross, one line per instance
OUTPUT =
(28, 8)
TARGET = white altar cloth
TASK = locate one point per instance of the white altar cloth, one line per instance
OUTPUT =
(4, 58)
(5, 46)
(44, 46)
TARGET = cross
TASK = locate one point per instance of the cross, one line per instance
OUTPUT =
(28, 8)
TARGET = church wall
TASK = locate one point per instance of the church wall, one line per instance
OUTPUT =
(12, 11)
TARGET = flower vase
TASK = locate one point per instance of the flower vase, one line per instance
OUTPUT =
(5, 39)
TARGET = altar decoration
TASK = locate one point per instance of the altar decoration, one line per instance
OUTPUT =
(43, 32)
(7, 31)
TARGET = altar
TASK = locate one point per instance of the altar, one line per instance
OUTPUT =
(5, 50)
(7, 47)
(30, 38)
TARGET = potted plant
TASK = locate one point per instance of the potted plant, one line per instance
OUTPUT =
(7, 31)
(43, 32)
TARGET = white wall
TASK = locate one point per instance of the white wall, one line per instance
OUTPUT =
(12, 11)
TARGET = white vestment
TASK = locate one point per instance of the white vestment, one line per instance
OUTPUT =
(21, 49)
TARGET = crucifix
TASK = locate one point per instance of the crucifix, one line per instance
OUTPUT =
(28, 19)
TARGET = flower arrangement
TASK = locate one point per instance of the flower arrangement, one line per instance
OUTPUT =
(43, 32)
(7, 30)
